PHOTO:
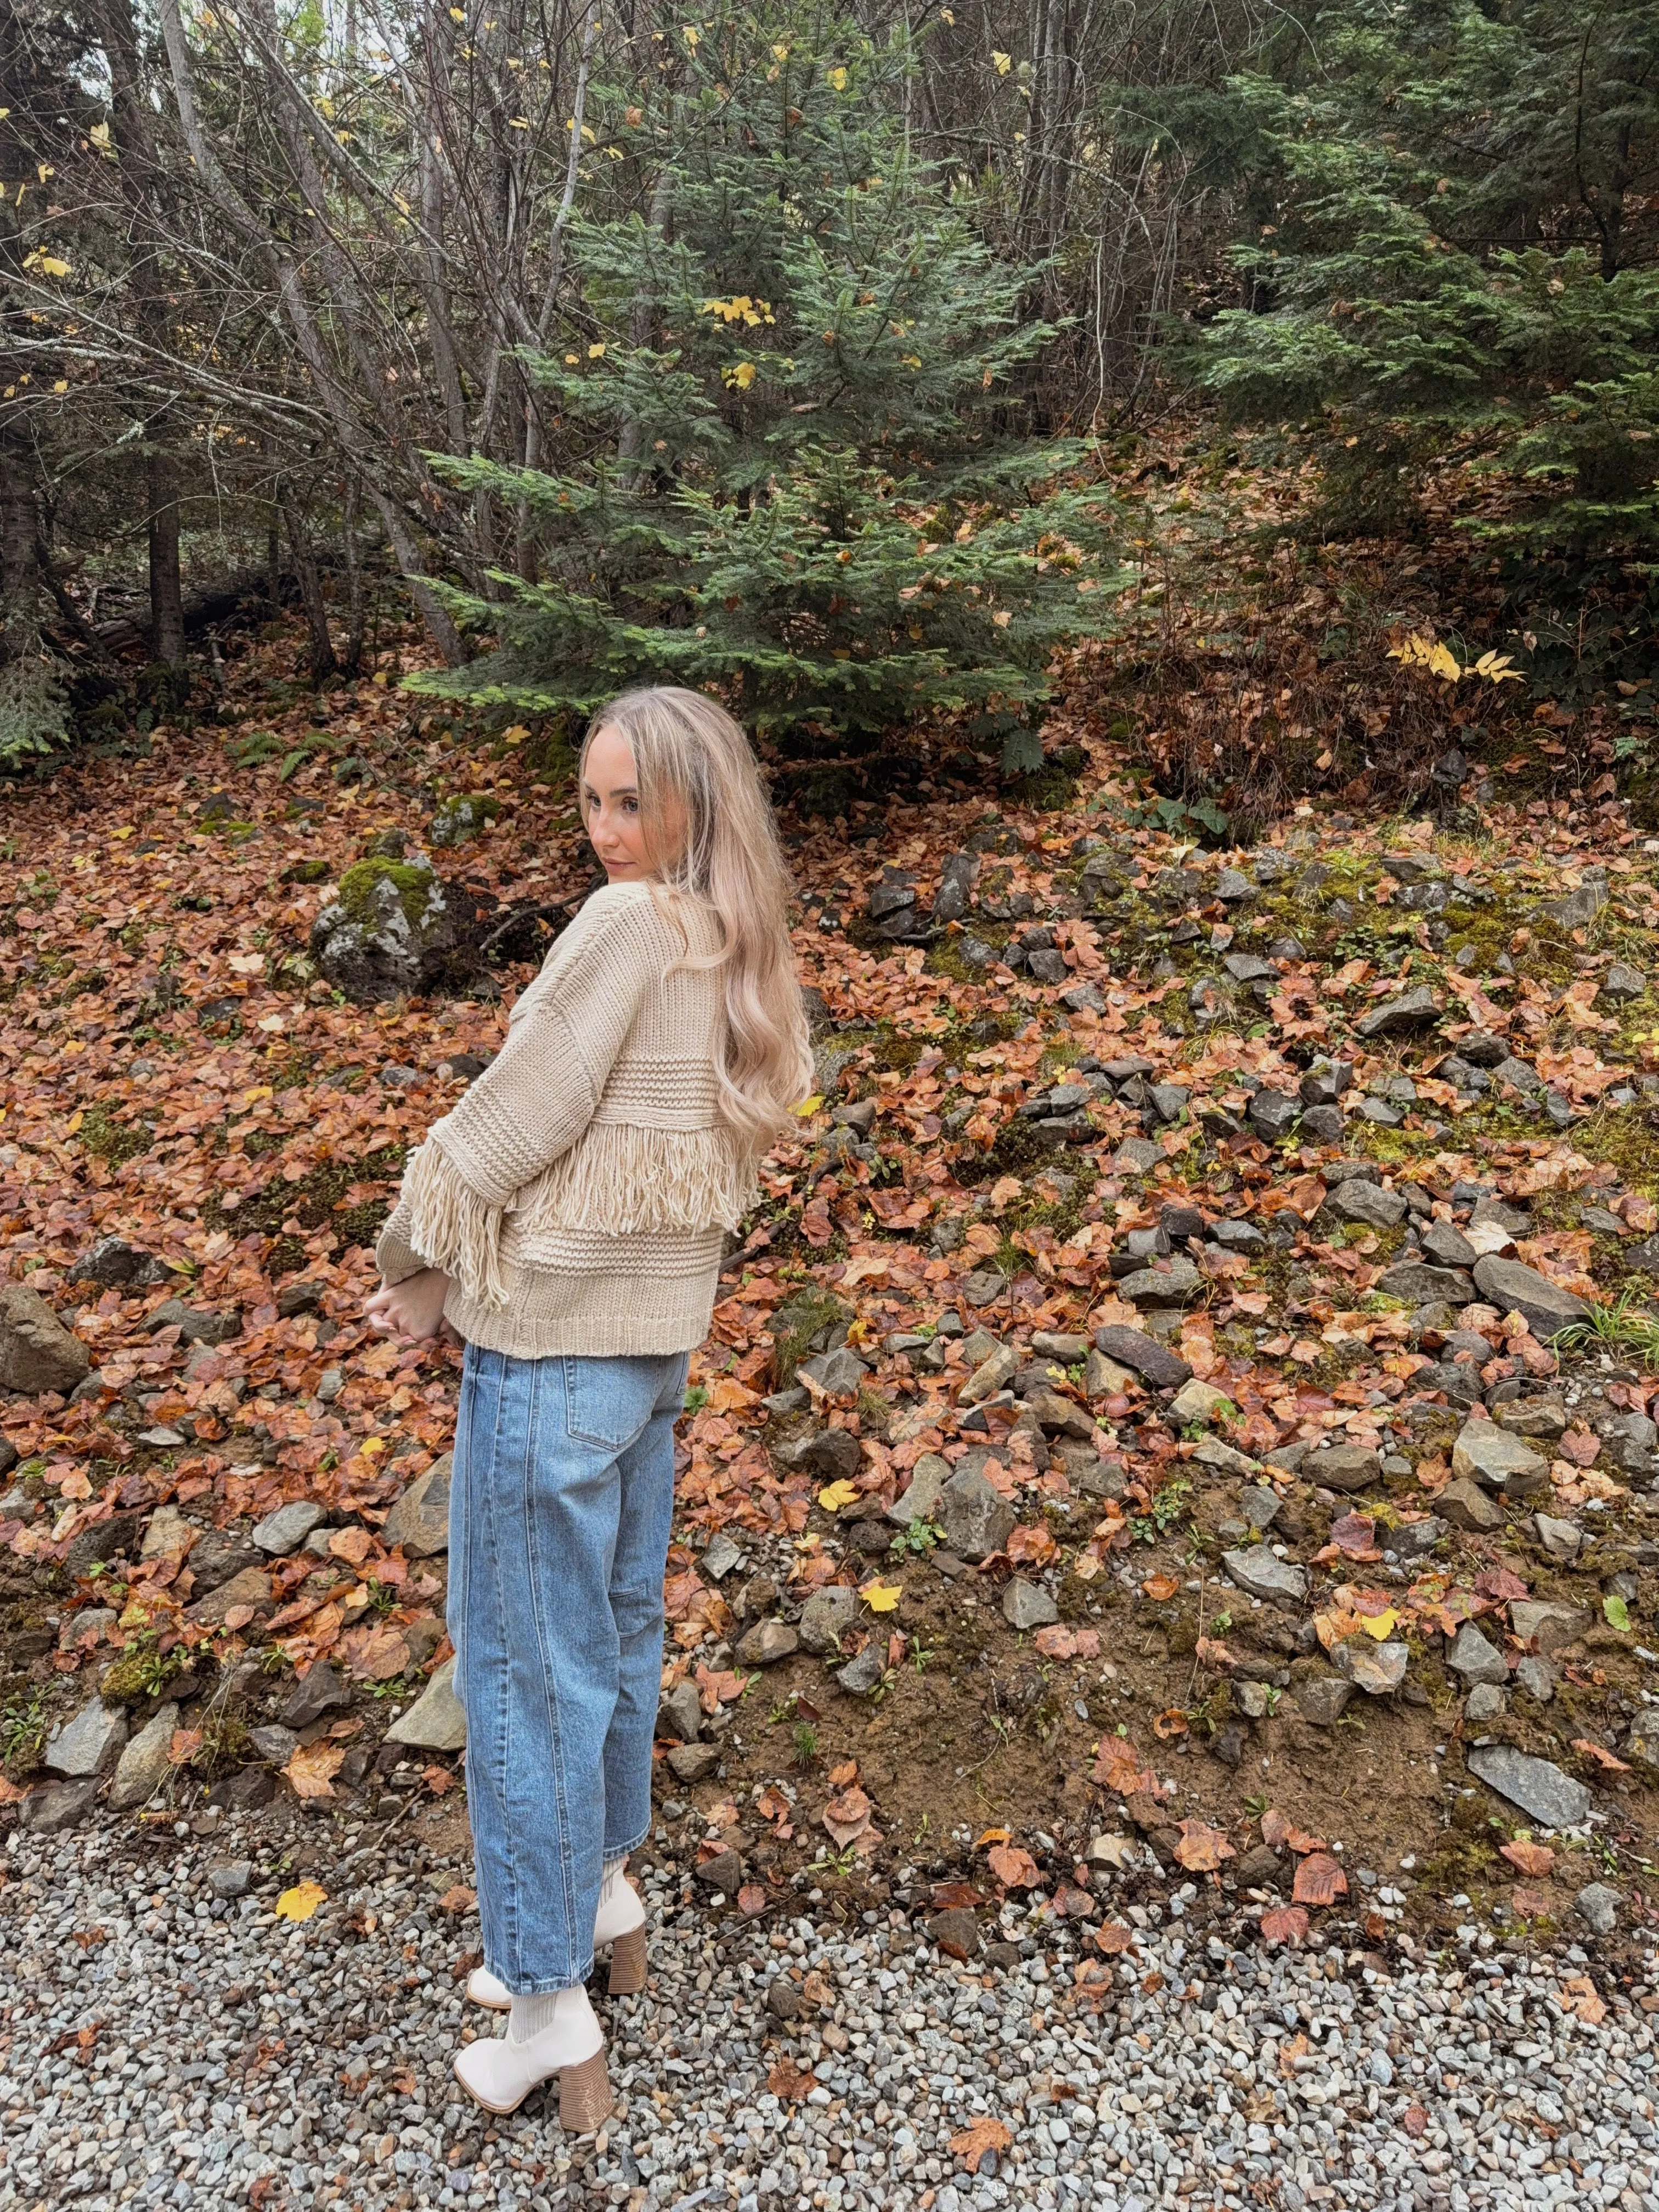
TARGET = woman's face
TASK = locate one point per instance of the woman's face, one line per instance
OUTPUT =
(610, 807)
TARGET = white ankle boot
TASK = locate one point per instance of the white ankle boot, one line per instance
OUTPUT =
(619, 1923)
(564, 2038)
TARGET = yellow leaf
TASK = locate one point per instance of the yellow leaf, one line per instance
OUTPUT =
(49, 264)
(837, 79)
(1382, 1625)
(370, 1445)
(515, 736)
(808, 1105)
(835, 1495)
(690, 36)
(1002, 618)
(256, 1092)
(1002, 63)
(880, 1596)
(1441, 663)
(75, 1120)
(61, 384)
(124, 832)
(740, 375)
(596, 352)
(301, 1901)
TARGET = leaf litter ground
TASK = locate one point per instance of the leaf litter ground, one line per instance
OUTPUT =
(1066, 1062)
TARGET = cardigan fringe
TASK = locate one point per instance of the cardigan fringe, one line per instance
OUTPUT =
(624, 1179)
(453, 1228)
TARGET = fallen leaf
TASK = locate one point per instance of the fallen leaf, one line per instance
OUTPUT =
(752, 1899)
(1579, 1996)
(300, 1902)
(1600, 1755)
(1160, 1588)
(1113, 1937)
(792, 2082)
(880, 1596)
(1057, 1642)
(1533, 1859)
(845, 1772)
(458, 1900)
(1202, 1849)
(835, 1495)
(1172, 1722)
(312, 1768)
(971, 2143)
(1319, 1881)
(183, 1746)
(847, 1816)
(1285, 1923)
(1013, 1867)
(438, 1779)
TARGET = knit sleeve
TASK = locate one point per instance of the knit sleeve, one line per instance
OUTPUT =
(532, 1102)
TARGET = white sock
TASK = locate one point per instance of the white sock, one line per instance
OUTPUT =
(530, 2015)
(613, 1874)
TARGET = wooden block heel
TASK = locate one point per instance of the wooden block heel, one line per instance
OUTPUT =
(627, 1963)
(585, 2098)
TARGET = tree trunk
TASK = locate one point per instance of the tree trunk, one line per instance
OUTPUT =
(167, 591)
(20, 575)
(352, 665)
(324, 665)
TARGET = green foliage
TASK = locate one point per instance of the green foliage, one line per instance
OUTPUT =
(33, 710)
(23, 1730)
(414, 887)
(1449, 264)
(807, 482)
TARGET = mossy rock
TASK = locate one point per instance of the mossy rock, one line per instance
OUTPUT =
(796, 1323)
(137, 1675)
(413, 884)
(392, 929)
(463, 817)
(306, 872)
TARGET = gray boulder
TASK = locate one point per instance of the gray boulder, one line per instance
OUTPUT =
(1402, 1016)
(420, 1519)
(392, 928)
(144, 1765)
(826, 1617)
(1542, 1791)
(976, 1518)
(1512, 1286)
(435, 1720)
(37, 1353)
(87, 1743)
(1258, 1573)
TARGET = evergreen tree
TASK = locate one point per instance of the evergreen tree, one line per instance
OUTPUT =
(1455, 257)
(793, 462)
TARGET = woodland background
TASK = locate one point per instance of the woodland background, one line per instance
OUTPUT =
(810, 350)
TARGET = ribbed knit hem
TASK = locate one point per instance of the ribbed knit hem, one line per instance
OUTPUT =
(597, 1324)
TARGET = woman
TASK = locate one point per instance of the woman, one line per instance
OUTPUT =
(567, 1220)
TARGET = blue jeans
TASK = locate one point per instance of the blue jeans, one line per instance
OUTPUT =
(560, 1503)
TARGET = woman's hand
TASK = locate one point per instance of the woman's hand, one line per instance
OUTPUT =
(413, 1310)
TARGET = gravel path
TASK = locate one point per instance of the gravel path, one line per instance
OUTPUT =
(167, 2040)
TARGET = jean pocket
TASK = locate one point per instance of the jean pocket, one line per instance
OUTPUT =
(608, 1402)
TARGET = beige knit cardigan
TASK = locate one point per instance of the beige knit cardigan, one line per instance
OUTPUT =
(577, 1195)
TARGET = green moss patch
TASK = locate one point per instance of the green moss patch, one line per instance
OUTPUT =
(414, 886)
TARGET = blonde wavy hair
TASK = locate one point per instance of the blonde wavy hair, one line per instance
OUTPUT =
(709, 830)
